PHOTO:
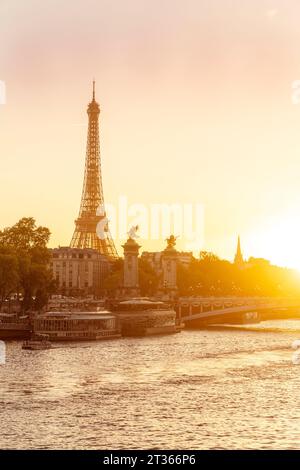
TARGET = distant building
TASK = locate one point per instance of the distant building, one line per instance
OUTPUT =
(154, 258)
(238, 259)
(79, 271)
(184, 258)
(164, 264)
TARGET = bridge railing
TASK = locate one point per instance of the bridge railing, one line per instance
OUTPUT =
(187, 306)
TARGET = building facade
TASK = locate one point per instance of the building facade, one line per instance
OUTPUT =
(164, 264)
(79, 272)
(154, 258)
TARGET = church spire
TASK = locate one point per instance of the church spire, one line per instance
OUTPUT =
(238, 259)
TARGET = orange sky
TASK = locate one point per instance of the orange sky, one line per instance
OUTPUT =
(195, 107)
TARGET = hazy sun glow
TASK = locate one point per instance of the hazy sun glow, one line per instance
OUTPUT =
(196, 106)
(278, 240)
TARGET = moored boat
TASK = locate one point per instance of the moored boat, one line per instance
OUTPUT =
(14, 327)
(37, 342)
(144, 317)
(77, 326)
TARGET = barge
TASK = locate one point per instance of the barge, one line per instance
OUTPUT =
(12, 327)
(37, 343)
(77, 326)
(144, 317)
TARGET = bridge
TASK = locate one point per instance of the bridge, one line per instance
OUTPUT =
(194, 311)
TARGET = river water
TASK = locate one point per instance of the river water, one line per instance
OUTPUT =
(209, 389)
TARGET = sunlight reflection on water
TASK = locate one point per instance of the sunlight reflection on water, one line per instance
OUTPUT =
(198, 389)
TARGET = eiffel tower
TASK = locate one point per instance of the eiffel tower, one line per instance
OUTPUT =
(92, 213)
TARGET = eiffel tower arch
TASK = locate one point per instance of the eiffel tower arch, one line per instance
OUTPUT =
(85, 233)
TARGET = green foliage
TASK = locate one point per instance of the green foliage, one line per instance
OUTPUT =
(114, 279)
(148, 279)
(112, 282)
(25, 235)
(8, 275)
(28, 273)
(212, 276)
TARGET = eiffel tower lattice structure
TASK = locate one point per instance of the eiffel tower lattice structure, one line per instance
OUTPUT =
(91, 226)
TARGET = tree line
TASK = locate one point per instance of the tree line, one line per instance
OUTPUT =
(25, 273)
(211, 276)
(24, 264)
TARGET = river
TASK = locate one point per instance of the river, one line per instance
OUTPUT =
(206, 389)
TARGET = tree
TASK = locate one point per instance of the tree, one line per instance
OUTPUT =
(148, 278)
(211, 275)
(8, 275)
(113, 280)
(207, 276)
(25, 235)
(28, 243)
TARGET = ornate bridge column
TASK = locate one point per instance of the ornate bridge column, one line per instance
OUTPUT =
(169, 268)
(131, 272)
